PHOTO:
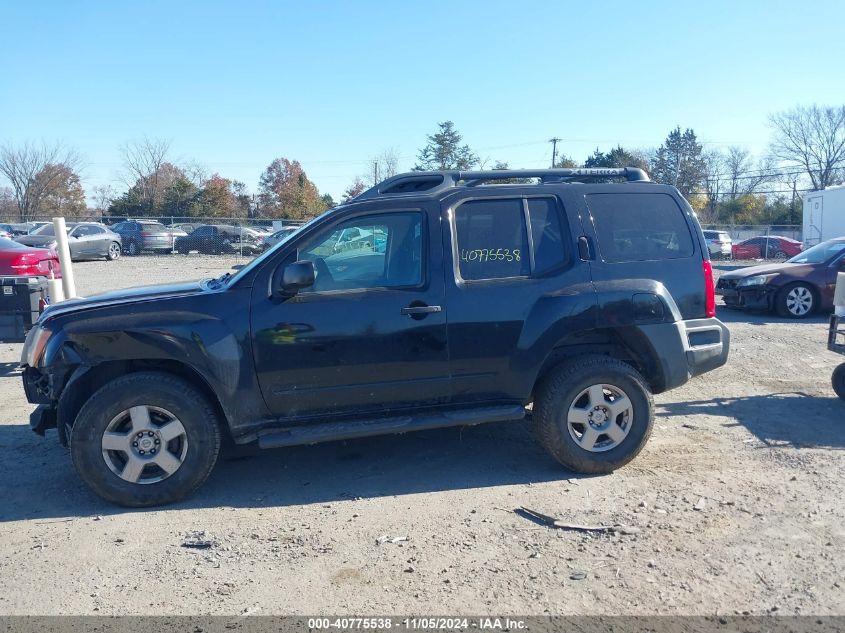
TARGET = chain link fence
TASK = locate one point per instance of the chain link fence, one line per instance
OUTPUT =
(740, 232)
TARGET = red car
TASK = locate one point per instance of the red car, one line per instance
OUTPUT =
(17, 259)
(767, 247)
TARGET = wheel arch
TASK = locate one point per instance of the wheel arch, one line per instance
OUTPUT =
(86, 380)
(628, 345)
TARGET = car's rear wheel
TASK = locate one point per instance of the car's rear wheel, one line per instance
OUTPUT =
(838, 380)
(145, 439)
(593, 414)
(113, 252)
(796, 301)
(779, 255)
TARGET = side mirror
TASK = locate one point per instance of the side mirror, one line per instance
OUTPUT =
(295, 277)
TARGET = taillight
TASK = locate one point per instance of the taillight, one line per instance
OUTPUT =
(24, 265)
(709, 290)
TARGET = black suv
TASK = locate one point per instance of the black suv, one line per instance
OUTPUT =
(434, 299)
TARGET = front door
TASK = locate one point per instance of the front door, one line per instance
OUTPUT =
(370, 335)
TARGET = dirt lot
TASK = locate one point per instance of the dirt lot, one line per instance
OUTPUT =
(736, 501)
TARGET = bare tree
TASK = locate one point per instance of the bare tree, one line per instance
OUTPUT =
(8, 205)
(812, 138)
(196, 172)
(743, 176)
(103, 196)
(384, 165)
(142, 161)
(714, 165)
(24, 167)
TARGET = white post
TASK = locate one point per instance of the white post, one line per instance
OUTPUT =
(64, 257)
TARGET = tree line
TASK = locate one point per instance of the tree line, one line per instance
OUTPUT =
(807, 152)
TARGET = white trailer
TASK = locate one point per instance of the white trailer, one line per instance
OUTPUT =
(824, 215)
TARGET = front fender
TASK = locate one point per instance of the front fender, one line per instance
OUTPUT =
(209, 335)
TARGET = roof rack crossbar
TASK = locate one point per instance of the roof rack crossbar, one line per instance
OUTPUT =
(434, 181)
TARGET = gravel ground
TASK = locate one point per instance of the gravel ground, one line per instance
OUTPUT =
(735, 506)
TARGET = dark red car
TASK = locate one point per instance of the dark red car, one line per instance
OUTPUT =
(17, 259)
(795, 288)
(767, 247)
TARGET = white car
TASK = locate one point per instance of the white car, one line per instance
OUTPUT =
(719, 244)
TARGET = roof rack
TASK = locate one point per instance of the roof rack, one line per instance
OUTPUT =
(435, 181)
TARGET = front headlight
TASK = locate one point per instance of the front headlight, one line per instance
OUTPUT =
(33, 348)
(756, 280)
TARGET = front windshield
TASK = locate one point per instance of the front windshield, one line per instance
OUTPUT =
(269, 252)
(818, 254)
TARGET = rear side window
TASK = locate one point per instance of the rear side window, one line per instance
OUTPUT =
(639, 227)
(492, 239)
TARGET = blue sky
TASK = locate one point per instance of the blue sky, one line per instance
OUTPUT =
(331, 84)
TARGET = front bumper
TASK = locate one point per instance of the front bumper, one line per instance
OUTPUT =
(44, 417)
(751, 298)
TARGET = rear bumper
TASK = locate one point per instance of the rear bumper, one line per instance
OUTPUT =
(684, 349)
(153, 242)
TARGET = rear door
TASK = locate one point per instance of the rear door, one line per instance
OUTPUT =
(514, 289)
(642, 234)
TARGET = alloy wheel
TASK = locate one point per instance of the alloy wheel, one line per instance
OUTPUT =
(600, 418)
(144, 444)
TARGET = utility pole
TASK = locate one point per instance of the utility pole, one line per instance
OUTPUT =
(554, 141)
(375, 173)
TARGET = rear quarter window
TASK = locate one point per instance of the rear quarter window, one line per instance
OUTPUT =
(639, 227)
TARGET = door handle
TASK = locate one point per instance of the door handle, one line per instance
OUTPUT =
(585, 251)
(419, 310)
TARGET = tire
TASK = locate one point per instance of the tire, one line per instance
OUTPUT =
(796, 301)
(562, 396)
(113, 251)
(157, 401)
(779, 255)
(838, 380)
(133, 249)
(182, 250)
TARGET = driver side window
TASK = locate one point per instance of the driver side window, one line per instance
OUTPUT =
(374, 251)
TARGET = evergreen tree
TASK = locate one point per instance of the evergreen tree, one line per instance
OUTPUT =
(679, 162)
(444, 151)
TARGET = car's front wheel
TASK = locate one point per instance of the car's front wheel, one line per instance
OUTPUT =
(796, 301)
(593, 414)
(145, 439)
